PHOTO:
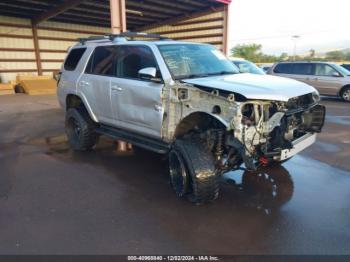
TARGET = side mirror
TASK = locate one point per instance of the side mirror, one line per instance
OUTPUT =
(148, 73)
(336, 74)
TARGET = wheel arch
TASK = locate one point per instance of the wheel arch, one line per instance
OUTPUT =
(342, 89)
(76, 101)
(199, 120)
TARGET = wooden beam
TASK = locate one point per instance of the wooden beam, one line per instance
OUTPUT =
(32, 50)
(36, 49)
(201, 21)
(30, 60)
(180, 18)
(188, 30)
(56, 10)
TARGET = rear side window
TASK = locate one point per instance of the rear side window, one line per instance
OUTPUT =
(74, 58)
(283, 68)
(302, 69)
(102, 61)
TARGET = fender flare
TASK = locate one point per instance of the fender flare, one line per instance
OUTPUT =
(86, 105)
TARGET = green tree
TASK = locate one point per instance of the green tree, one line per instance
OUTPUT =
(335, 55)
(283, 57)
(250, 52)
(312, 53)
(347, 56)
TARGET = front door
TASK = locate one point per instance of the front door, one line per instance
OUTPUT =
(136, 103)
(325, 79)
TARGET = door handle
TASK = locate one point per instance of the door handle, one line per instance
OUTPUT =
(117, 88)
(84, 83)
(158, 108)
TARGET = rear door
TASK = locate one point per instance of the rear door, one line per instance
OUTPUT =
(303, 72)
(70, 73)
(95, 83)
(136, 103)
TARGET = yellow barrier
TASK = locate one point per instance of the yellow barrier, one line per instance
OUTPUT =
(6, 89)
(39, 86)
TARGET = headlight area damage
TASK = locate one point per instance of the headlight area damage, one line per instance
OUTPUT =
(274, 131)
(238, 130)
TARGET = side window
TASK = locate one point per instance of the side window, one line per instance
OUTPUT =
(133, 58)
(73, 58)
(302, 69)
(102, 61)
(324, 70)
(283, 68)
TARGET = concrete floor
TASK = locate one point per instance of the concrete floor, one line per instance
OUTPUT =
(55, 201)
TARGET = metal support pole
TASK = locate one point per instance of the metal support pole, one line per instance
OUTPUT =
(118, 25)
(118, 16)
(225, 30)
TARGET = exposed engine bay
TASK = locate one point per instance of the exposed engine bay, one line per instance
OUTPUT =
(256, 132)
(267, 128)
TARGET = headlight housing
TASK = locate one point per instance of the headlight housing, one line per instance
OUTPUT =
(316, 96)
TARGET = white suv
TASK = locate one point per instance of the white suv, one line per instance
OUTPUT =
(186, 100)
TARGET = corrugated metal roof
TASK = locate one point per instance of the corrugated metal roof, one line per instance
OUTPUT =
(96, 12)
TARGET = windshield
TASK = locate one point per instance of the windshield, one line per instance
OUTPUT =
(195, 60)
(248, 67)
(341, 70)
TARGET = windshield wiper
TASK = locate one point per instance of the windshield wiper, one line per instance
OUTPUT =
(223, 73)
(193, 76)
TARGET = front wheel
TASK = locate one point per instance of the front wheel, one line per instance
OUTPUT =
(345, 94)
(192, 171)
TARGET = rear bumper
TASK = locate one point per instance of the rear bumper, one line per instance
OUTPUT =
(298, 145)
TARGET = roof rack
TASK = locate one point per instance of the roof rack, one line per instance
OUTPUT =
(132, 35)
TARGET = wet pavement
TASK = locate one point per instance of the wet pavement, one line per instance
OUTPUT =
(55, 201)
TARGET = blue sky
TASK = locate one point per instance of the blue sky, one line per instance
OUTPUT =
(321, 24)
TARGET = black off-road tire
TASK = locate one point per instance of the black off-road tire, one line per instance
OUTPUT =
(80, 129)
(201, 181)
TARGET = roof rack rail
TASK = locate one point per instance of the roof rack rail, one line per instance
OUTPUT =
(131, 35)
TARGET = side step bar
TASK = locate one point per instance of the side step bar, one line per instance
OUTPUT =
(151, 144)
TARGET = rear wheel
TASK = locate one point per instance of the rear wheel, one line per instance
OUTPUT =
(192, 171)
(80, 129)
(345, 94)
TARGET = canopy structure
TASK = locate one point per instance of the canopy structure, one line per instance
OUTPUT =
(35, 34)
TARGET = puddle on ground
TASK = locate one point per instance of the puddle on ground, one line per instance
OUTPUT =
(56, 144)
(265, 190)
(339, 120)
(59, 145)
(327, 147)
(5, 184)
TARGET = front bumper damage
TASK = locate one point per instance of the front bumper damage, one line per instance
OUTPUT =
(275, 137)
(298, 145)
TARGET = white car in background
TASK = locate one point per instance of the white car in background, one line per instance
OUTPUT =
(245, 66)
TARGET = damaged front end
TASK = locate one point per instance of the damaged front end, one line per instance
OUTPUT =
(273, 131)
